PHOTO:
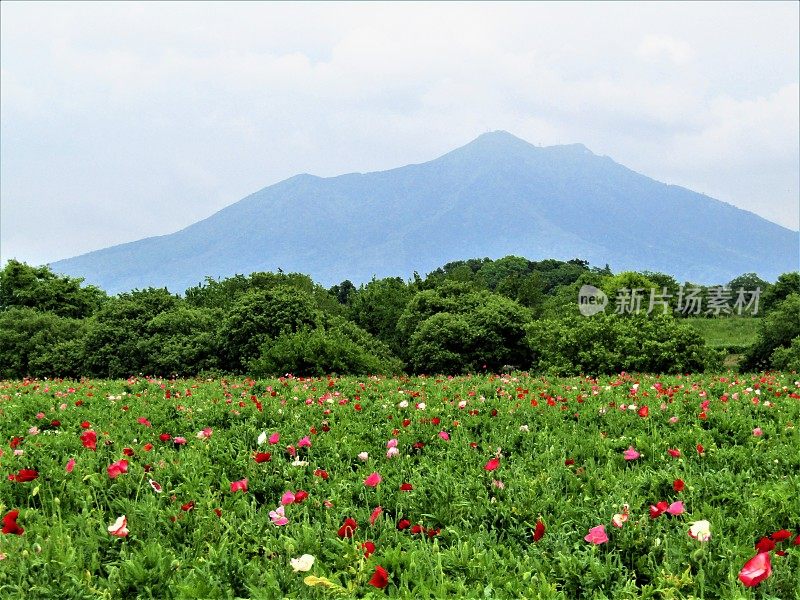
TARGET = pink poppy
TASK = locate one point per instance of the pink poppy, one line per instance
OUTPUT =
(70, 465)
(118, 468)
(676, 508)
(597, 535)
(375, 514)
(287, 498)
(278, 516)
(239, 486)
(274, 438)
(304, 442)
(631, 454)
(119, 528)
(373, 479)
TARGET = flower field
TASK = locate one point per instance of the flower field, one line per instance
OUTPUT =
(475, 486)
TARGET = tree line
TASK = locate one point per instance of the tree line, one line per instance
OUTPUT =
(466, 316)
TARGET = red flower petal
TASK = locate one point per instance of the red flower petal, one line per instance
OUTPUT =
(538, 532)
(492, 464)
(756, 570)
(380, 579)
(348, 528)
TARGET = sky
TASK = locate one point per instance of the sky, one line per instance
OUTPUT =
(126, 120)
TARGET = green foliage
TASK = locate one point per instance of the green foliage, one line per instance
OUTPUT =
(559, 461)
(612, 344)
(260, 315)
(454, 329)
(778, 328)
(787, 284)
(377, 306)
(317, 352)
(23, 286)
(787, 358)
(114, 344)
(26, 334)
(225, 293)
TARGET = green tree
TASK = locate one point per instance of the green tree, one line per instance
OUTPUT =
(260, 315)
(604, 344)
(787, 283)
(38, 287)
(377, 306)
(25, 334)
(778, 328)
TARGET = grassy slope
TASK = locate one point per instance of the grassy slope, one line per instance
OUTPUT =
(726, 332)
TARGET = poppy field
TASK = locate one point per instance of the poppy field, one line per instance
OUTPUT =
(487, 486)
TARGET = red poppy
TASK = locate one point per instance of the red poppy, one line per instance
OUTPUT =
(539, 530)
(674, 453)
(375, 514)
(262, 457)
(348, 528)
(756, 570)
(403, 524)
(86, 425)
(380, 579)
(147, 447)
(165, 437)
(678, 485)
(781, 535)
(406, 422)
(406, 487)
(765, 545)
(299, 496)
(24, 475)
(492, 464)
(188, 506)
(369, 548)
(127, 451)
(321, 473)
(10, 523)
(644, 411)
(118, 468)
(218, 512)
(658, 509)
(89, 439)
(417, 529)
(433, 532)
(700, 449)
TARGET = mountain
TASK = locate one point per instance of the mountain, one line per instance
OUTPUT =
(496, 196)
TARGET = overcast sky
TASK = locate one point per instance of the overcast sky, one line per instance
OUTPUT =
(122, 121)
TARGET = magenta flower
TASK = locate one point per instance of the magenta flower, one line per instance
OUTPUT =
(631, 454)
(597, 535)
(239, 486)
(373, 480)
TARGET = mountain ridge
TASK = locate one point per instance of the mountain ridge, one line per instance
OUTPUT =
(495, 196)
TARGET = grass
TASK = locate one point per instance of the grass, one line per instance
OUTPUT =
(727, 332)
(470, 531)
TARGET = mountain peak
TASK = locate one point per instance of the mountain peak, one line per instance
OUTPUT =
(498, 195)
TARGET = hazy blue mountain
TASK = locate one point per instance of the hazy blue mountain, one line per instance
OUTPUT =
(496, 196)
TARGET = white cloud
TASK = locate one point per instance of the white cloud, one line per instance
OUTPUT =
(183, 108)
(655, 47)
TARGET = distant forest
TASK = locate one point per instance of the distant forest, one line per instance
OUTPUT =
(475, 315)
